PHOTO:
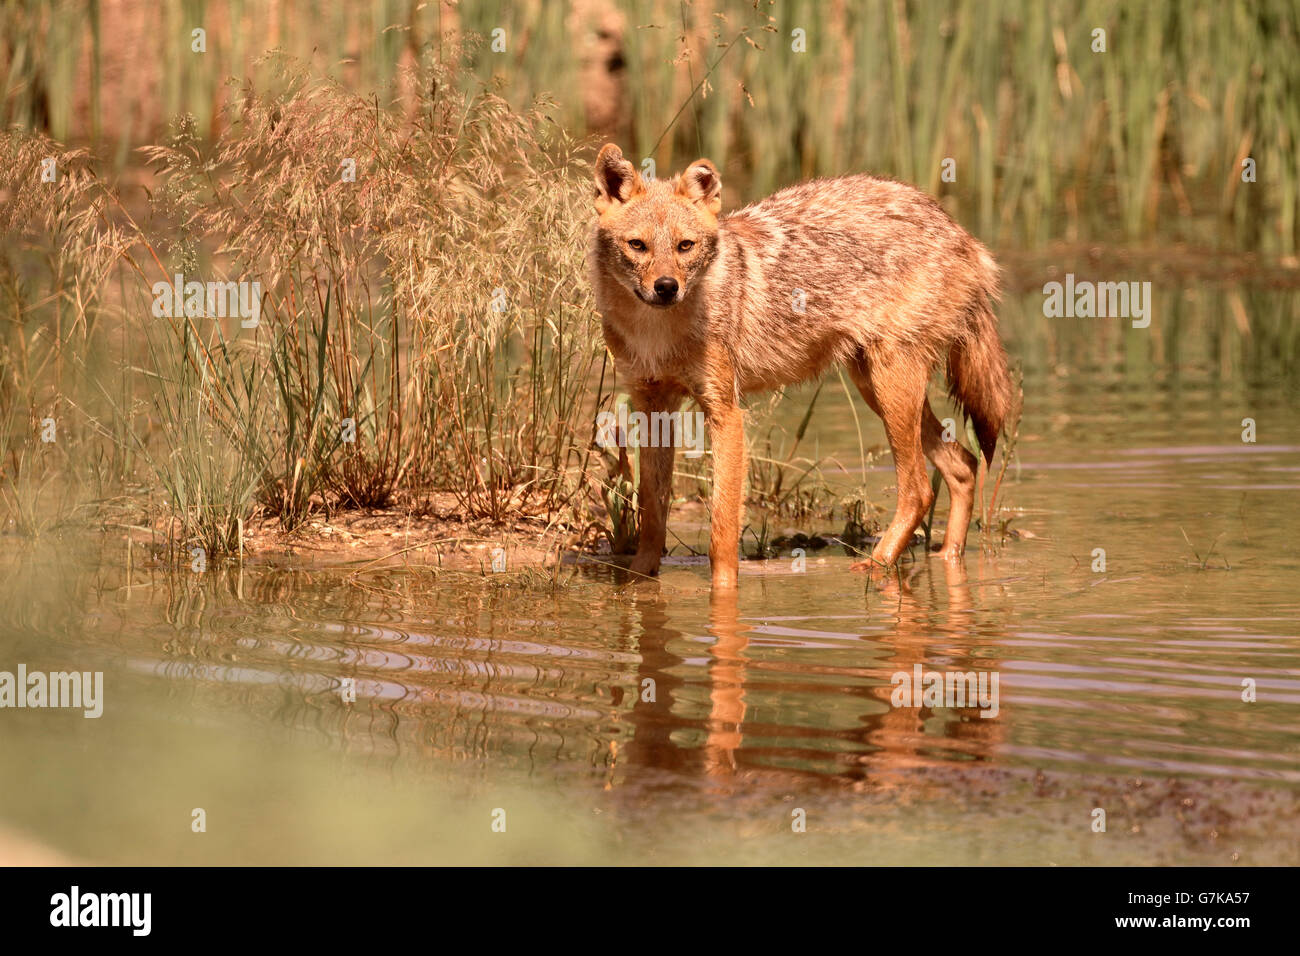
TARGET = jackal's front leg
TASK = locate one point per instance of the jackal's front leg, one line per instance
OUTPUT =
(727, 433)
(654, 490)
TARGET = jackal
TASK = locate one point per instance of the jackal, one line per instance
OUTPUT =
(865, 272)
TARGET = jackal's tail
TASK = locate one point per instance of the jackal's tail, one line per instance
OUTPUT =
(978, 378)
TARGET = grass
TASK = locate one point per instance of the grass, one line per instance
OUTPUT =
(424, 327)
(1052, 139)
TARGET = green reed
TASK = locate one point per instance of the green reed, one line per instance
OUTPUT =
(1051, 140)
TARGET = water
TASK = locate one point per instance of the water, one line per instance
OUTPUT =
(615, 723)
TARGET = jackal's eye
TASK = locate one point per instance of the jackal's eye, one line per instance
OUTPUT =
(637, 244)
(686, 245)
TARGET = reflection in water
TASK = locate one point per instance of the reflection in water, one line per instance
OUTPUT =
(876, 740)
(726, 679)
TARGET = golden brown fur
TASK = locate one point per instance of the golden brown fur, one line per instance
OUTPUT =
(859, 271)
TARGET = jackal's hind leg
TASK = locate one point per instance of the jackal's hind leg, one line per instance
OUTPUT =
(958, 467)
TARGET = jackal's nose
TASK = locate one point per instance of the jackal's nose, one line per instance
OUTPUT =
(666, 288)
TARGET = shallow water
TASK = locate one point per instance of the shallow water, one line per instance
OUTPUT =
(617, 723)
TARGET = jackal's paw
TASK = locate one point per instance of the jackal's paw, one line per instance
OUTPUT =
(647, 566)
(867, 565)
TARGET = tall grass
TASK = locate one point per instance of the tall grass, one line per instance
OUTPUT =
(425, 327)
(1051, 140)
(54, 267)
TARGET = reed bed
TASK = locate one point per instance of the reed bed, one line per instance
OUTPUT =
(1050, 138)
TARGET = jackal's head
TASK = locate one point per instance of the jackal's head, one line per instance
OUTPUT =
(656, 238)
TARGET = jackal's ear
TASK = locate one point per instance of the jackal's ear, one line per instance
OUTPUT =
(701, 183)
(617, 180)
